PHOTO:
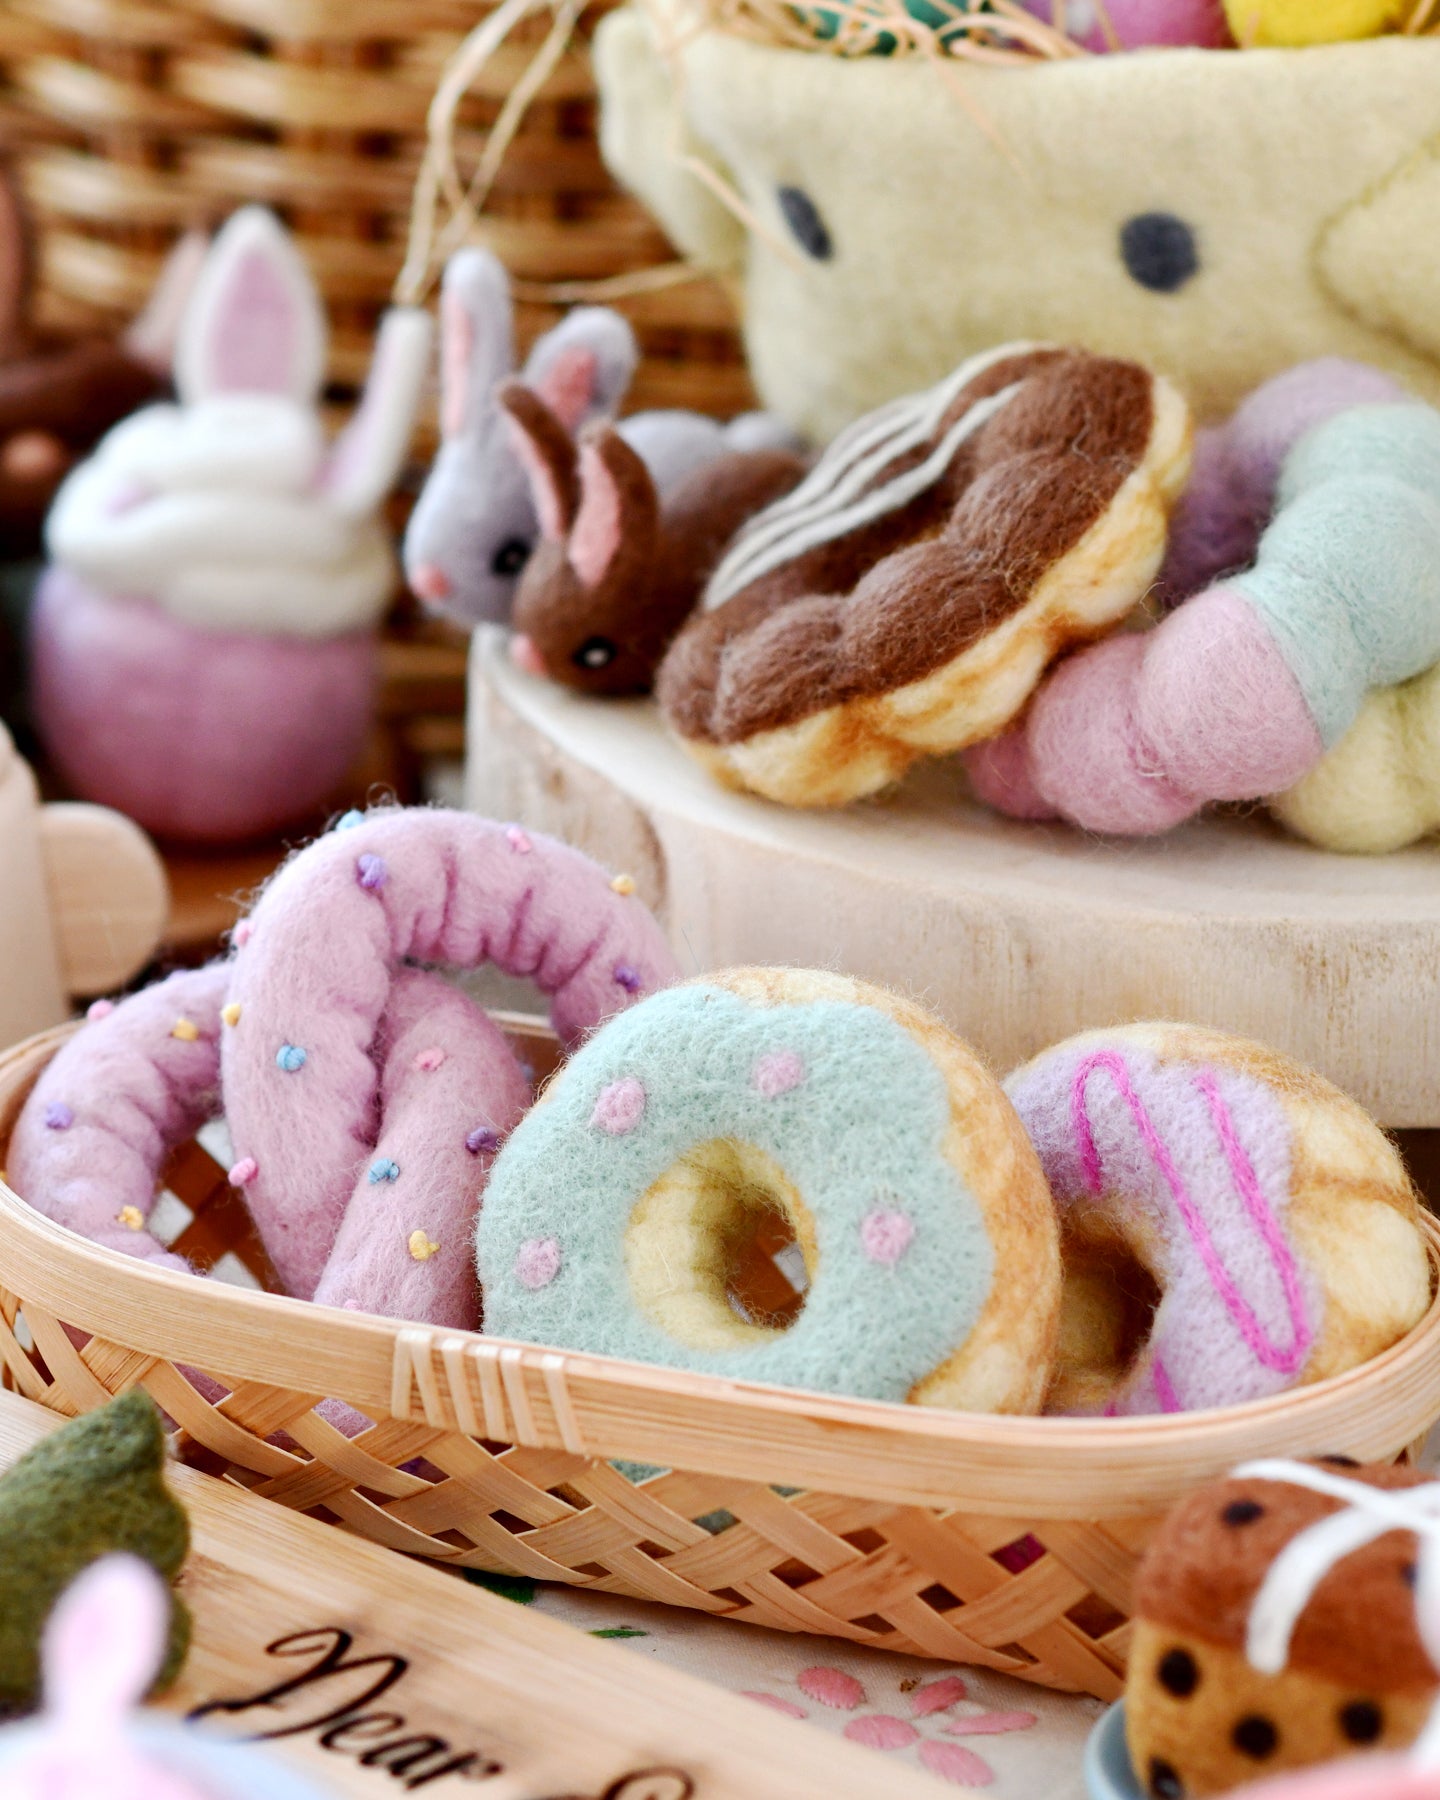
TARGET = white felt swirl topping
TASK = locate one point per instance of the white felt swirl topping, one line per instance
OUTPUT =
(846, 490)
(1296, 1573)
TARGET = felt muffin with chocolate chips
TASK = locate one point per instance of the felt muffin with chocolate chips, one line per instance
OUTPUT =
(1275, 1627)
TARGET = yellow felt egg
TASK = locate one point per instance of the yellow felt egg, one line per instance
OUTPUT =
(1258, 22)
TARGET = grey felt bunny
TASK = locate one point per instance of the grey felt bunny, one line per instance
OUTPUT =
(474, 525)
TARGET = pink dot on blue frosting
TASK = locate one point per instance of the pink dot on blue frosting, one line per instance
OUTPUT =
(383, 1169)
(370, 871)
(627, 977)
(620, 1107)
(290, 1057)
(482, 1140)
(58, 1116)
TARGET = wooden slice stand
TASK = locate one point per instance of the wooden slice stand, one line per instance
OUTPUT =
(1017, 934)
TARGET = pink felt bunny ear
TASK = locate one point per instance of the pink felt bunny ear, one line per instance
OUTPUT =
(582, 368)
(254, 324)
(477, 339)
(368, 453)
(104, 1643)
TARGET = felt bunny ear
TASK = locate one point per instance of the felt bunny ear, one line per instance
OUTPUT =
(368, 453)
(154, 334)
(104, 1642)
(254, 324)
(583, 367)
(15, 268)
(477, 339)
(616, 495)
(547, 454)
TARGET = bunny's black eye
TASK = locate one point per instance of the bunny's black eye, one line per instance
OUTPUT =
(595, 653)
(511, 557)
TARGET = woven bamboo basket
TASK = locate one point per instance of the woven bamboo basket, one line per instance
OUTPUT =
(1009, 1543)
(139, 118)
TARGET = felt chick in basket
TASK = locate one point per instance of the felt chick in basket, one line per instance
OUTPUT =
(205, 651)
(474, 526)
(1242, 691)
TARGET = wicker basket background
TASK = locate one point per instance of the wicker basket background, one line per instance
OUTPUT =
(139, 118)
(1010, 1543)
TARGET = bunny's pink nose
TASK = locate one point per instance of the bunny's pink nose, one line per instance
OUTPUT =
(430, 582)
(525, 655)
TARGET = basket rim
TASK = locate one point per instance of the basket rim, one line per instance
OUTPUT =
(599, 1406)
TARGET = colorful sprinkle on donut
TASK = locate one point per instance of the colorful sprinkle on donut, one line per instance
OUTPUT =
(383, 1169)
(428, 1061)
(627, 976)
(620, 1108)
(623, 885)
(421, 1245)
(243, 1172)
(58, 1116)
(290, 1058)
(242, 934)
(518, 840)
(230, 1012)
(482, 1141)
(99, 1009)
(131, 1218)
(371, 871)
(349, 820)
(186, 1030)
(777, 1072)
(885, 1236)
(537, 1263)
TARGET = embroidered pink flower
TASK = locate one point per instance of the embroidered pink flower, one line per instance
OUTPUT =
(931, 1707)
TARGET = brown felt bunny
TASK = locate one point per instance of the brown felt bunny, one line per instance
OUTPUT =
(618, 570)
(57, 399)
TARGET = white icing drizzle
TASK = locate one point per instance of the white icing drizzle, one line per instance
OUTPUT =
(836, 497)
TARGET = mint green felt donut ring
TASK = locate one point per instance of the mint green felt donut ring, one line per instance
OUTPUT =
(619, 1209)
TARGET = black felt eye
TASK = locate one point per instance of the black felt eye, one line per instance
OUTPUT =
(1409, 1574)
(1255, 1736)
(595, 653)
(1340, 1462)
(1160, 251)
(1163, 1782)
(1362, 1721)
(803, 217)
(1243, 1512)
(1178, 1673)
(511, 557)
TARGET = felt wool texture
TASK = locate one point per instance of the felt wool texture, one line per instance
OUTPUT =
(1272, 1215)
(1240, 691)
(94, 1488)
(205, 736)
(1258, 23)
(1293, 236)
(316, 971)
(1217, 526)
(1136, 24)
(113, 1101)
(906, 599)
(927, 1234)
(1378, 789)
(620, 566)
(102, 1646)
(255, 548)
(474, 525)
(1199, 1713)
(1354, 1778)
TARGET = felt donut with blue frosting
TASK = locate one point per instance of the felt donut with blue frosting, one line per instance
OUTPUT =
(1232, 1225)
(617, 1209)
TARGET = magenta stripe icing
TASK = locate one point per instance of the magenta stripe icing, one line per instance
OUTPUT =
(1165, 1388)
(1242, 1172)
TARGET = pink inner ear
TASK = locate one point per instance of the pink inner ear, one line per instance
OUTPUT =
(255, 331)
(596, 535)
(568, 386)
(457, 341)
(105, 1640)
(549, 503)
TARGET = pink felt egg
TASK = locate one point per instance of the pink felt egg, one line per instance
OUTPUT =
(1136, 24)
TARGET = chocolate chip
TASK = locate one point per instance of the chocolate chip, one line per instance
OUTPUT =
(1255, 1736)
(1340, 1462)
(1164, 1783)
(1242, 1512)
(1178, 1673)
(1159, 251)
(803, 217)
(1362, 1721)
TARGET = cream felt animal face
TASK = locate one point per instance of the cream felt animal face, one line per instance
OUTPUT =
(909, 216)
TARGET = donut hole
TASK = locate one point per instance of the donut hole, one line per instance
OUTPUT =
(720, 1250)
(1107, 1310)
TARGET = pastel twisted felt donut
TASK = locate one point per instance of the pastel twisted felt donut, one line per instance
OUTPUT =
(317, 969)
(915, 1201)
(1239, 693)
(1269, 1218)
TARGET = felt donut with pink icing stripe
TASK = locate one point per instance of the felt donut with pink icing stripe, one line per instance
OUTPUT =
(1232, 1225)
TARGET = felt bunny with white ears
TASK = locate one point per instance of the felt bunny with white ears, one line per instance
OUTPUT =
(103, 1643)
(474, 526)
(205, 649)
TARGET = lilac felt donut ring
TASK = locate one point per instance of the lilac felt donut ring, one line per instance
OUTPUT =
(129, 1086)
(316, 969)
